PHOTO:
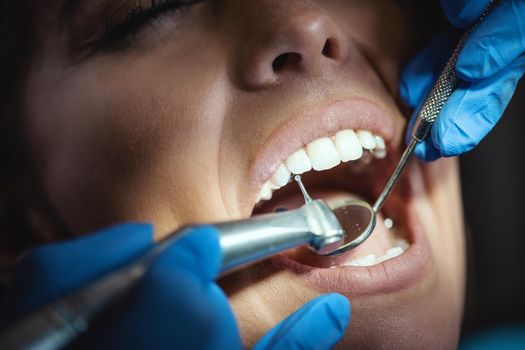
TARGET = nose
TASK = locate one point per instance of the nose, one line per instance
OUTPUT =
(286, 39)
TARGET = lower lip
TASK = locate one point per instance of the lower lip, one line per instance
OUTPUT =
(396, 274)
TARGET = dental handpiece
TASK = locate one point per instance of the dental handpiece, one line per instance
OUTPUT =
(445, 85)
(242, 242)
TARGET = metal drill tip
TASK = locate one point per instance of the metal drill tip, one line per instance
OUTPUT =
(306, 196)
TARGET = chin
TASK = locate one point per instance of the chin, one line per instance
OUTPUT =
(406, 282)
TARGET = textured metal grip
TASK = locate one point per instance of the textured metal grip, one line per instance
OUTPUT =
(436, 99)
(446, 83)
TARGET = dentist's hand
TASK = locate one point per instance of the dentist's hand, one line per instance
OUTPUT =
(490, 66)
(177, 305)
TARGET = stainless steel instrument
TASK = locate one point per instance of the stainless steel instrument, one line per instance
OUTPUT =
(444, 87)
(436, 99)
(242, 242)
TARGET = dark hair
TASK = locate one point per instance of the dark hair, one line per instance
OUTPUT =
(19, 193)
(14, 55)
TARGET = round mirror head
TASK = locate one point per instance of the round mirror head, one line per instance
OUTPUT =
(358, 221)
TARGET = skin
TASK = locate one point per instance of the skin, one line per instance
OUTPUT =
(166, 128)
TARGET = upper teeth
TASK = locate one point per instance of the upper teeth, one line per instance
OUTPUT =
(322, 154)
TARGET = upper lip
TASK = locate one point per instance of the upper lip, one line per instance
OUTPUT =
(302, 128)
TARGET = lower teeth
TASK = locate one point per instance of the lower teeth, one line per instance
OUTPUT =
(399, 248)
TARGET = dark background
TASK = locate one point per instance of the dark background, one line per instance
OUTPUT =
(492, 180)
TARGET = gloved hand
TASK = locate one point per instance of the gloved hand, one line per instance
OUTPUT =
(490, 65)
(176, 305)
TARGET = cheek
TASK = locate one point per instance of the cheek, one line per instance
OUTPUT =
(404, 321)
(127, 140)
(448, 238)
(383, 31)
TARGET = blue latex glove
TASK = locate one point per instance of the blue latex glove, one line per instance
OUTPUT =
(490, 66)
(177, 305)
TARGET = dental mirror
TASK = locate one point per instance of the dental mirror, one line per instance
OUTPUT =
(358, 218)
(355, 216)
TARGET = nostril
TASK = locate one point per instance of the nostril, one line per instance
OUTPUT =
(330, 49)
(284, 60)
(279, 62)
(293, 60)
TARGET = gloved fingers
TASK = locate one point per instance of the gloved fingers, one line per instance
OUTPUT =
(319, 324)
(495, 44)
(55, 269)
(197, 251)
(473, 110)
(175, 310)
(176, 303)
(426, 151)
(419, 75)
(463, 13)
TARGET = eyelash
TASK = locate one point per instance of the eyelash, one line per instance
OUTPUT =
(139, 16)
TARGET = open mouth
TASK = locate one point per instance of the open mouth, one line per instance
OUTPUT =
(339, 166)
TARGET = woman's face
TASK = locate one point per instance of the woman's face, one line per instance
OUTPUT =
(181, 115)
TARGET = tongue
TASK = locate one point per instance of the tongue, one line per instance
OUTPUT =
(377, 244)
